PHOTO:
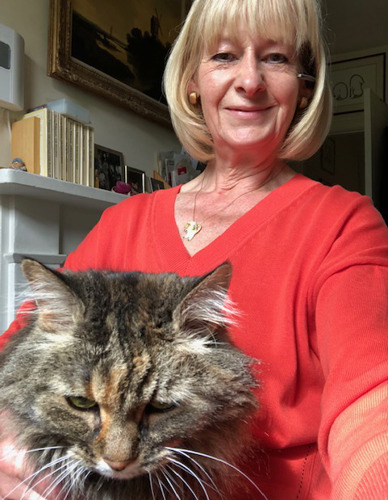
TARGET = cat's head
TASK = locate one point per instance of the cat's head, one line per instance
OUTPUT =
(122, 369)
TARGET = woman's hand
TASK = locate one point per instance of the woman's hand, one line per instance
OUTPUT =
(10, 489)
(15, 480)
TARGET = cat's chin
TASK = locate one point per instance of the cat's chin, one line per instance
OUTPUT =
(131, 471)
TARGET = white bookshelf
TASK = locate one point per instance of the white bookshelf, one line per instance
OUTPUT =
(44, 219)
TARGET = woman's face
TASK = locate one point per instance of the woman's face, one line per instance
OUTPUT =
(249, 91)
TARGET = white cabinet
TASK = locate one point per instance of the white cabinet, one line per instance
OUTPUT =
(44, 219)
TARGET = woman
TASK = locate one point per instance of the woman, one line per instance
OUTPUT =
(247, 88)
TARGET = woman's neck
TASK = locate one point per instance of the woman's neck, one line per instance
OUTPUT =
(209, 204)
(229, 177)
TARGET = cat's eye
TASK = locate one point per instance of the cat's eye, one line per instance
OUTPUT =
(81, 403)
(158, 407)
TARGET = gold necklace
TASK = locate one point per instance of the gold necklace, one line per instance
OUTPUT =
(192, 228)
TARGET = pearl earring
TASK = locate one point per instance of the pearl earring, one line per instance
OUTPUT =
(193, 98)
(303, 103)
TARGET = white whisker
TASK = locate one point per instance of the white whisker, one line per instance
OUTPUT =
(84, 473)
(58, 479)
(29, 479)
(50, 474)
(182, 453)
(73, 483)
(183, 481)
(65, 486)
(187, 469)
(151, 485)
(167, 476)
(161, 487)
(22, 453)
(69, 485)
(34, 484)
(225, 463)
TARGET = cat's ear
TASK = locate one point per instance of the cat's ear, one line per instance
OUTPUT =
(206, 309)
(57, 305)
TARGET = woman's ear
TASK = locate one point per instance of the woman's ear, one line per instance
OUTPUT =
(192, 93)
(305, 94)
(192, 87)
(305, 91)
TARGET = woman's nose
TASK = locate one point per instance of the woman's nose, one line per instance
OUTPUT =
(250, 77)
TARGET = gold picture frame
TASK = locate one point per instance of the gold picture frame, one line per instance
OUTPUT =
(64, 66)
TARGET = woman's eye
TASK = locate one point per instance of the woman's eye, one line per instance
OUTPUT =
(224, 57)
(81, 403)
(276, 58)
(158, 407)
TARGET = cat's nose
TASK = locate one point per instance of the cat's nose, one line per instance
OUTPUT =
(118, 466)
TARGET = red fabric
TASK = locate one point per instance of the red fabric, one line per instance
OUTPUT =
(311, 280)
(20, 321)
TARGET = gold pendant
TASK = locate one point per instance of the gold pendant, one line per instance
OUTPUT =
(191, 229)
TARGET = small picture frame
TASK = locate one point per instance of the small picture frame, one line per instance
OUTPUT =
(156, 184)
(136, 179)
(350, 77)
(108, 167)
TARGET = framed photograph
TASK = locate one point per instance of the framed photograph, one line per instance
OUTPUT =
(116, 49)
(156, 184)
(136, 179)
(108, 167)
(350, 77)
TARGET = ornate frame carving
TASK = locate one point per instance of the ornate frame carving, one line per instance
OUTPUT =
(63, 66)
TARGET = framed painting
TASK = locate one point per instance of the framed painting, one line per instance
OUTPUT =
(350, 78)
(116, 49)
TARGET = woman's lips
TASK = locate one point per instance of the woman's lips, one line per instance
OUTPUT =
(248, 112)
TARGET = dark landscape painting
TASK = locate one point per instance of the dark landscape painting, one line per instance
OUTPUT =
(127, 40)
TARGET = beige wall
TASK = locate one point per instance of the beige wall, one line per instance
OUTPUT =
(138, 139)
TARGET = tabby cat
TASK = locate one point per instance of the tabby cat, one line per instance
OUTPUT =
(126, 386)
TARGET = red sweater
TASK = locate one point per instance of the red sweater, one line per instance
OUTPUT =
(310, 276)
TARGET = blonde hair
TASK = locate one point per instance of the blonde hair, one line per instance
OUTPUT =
(296, 22)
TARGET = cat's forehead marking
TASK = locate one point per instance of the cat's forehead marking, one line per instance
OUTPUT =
(106, 421)
(141, 364)
(105, 389)
(110, 388)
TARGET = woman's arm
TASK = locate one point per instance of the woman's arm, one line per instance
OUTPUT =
(358, 448)
(352, 317)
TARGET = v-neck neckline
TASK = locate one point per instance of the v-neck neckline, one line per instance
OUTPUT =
(172, 250)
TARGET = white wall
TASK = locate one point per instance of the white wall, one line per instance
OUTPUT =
(138, 139)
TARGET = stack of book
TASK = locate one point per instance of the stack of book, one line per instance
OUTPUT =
(56, 146)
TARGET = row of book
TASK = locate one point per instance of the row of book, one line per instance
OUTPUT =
(55, 145)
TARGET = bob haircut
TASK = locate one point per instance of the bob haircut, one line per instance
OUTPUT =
(295, 22)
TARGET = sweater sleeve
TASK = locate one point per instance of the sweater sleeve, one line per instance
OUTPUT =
(352, 325)
(358, 443)
(354, 431)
